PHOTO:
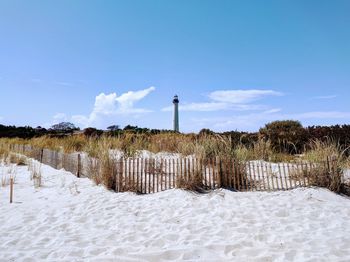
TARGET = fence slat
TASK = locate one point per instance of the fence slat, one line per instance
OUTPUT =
(125, 175)
(307, 174)
(267, 177)
(212, 178)
(241, 175)
(177, 172)
(193, 168)
(145, 174)
(217, 178)
(130, 173)
(261, 171)
(180, 173)
(122, 174)
(160, 174)
(234, 173)
(242, 170)
(137, 174)
(117, 178)
(185, 170)
(237, 175)
(226, 170)
(280, 175)
(291, 181)
(189, 169)
(134, 184)
(166, 174)
(151, 176)
(285, 176)
(272, 178)
(219, 174)
(276, 178)
(174, 172)
(256, 182)
(302, 173)
(205, 167)
(248, 178)
(142, 172)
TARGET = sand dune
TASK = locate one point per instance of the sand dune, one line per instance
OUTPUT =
(71, 219)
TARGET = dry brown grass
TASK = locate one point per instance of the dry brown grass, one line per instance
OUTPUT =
(6, 179)
(16, 159)
(21, 161)
(325, 174)
(8, 173)
(4, 151)
(102, 166)
(108, 172)
(329, 160)
(319, 151)
(193, 182)
(129, 187)
(261, 150)
(321, 177)
(202, 146)
(94, 170)
(35, 173)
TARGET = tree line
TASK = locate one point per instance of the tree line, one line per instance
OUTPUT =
(64, 129)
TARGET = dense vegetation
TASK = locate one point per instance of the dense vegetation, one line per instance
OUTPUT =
(279, 141)
(279, 137)
(65, 128)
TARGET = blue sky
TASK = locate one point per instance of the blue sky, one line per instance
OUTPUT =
(235, 65)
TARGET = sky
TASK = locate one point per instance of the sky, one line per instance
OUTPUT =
(235, 65)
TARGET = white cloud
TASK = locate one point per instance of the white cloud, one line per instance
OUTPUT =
(127, 100)
(59, 117)
(110, 105)
(325, 97)
(63, 83)
(208, 106)
(272, 111)
(239, 100)
(241, 96)
(251, 122)
(214, 106)
(322, 115)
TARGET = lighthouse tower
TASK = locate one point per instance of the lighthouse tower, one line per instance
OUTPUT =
(176, 113)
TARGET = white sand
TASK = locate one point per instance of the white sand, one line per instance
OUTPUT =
(117, 154)
(346, 176)
(70, 219)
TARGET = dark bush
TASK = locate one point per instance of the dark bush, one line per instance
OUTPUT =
(287, 136)
(92, 132)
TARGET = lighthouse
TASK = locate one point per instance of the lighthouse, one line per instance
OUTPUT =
(176, 113)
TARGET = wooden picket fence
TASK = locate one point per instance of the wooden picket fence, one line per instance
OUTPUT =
(151, 175)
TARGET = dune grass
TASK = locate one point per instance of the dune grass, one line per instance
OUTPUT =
(205, 146)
